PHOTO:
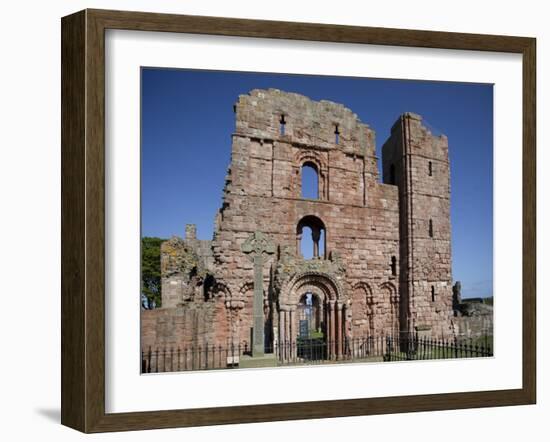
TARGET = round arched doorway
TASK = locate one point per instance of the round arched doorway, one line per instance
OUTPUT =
(311, 342)
(309, 313)
(312, 310)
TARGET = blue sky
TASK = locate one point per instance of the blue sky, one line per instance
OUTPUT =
(187, 121)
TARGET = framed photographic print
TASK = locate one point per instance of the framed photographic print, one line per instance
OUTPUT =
(267, 221)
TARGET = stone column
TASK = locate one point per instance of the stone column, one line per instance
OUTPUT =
(281, 331)
(287, 335)
(320, 312)
(256, 246)
(298, 244)
(327, 327)
(191, 231)
(345, 330)
(332, 315)
(315, 236)
(338, 326)
(258, 340)
(291, 331)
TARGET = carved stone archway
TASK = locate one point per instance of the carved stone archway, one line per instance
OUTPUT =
(331, 294)
(364, 309)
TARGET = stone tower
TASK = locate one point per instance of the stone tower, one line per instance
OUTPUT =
(418, 163)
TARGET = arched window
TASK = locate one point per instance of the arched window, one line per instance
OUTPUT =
(310, 181)
(431, 229)
(393, 266)
(430, 169)
(311, 238)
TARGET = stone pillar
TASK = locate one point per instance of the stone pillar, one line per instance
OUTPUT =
(344, 329)
(320, 312)
(289, 335)
(291, 331)
(258, 342)
(190, 231)
(327, 326)
(285, 343)
(332, 321)
(315, 236)
(281, 332)
(256, 246)
(338, 326)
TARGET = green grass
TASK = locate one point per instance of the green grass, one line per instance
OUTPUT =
(481, 341)
(466, 350)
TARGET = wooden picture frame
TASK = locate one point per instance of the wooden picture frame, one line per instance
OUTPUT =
(83, 220)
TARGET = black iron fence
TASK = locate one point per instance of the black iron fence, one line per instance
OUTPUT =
(201, 357)
(413, 348)
(312, 351)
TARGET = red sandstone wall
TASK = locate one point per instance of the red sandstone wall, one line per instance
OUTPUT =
(424, 197)
(264, 191)
(367, 223)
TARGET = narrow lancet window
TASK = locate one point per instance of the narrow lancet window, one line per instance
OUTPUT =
(282, 124)
(393, 266)
(336, 134)
(430, 170)
(433, 293)
(431, 229)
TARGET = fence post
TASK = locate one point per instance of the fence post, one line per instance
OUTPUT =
(425, 344)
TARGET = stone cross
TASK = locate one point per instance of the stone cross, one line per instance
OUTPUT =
(255, 247)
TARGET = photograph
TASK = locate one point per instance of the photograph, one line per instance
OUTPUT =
(250, 221)
(291, 220)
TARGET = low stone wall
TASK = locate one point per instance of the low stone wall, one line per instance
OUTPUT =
(183, 326)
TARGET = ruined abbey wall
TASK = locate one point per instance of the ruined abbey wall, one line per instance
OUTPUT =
(380, 258)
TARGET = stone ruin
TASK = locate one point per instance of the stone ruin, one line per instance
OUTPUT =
(473, 316)
(381, 250)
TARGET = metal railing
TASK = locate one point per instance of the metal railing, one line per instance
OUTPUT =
(312, 351)
(201, 357)
(407, 348)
